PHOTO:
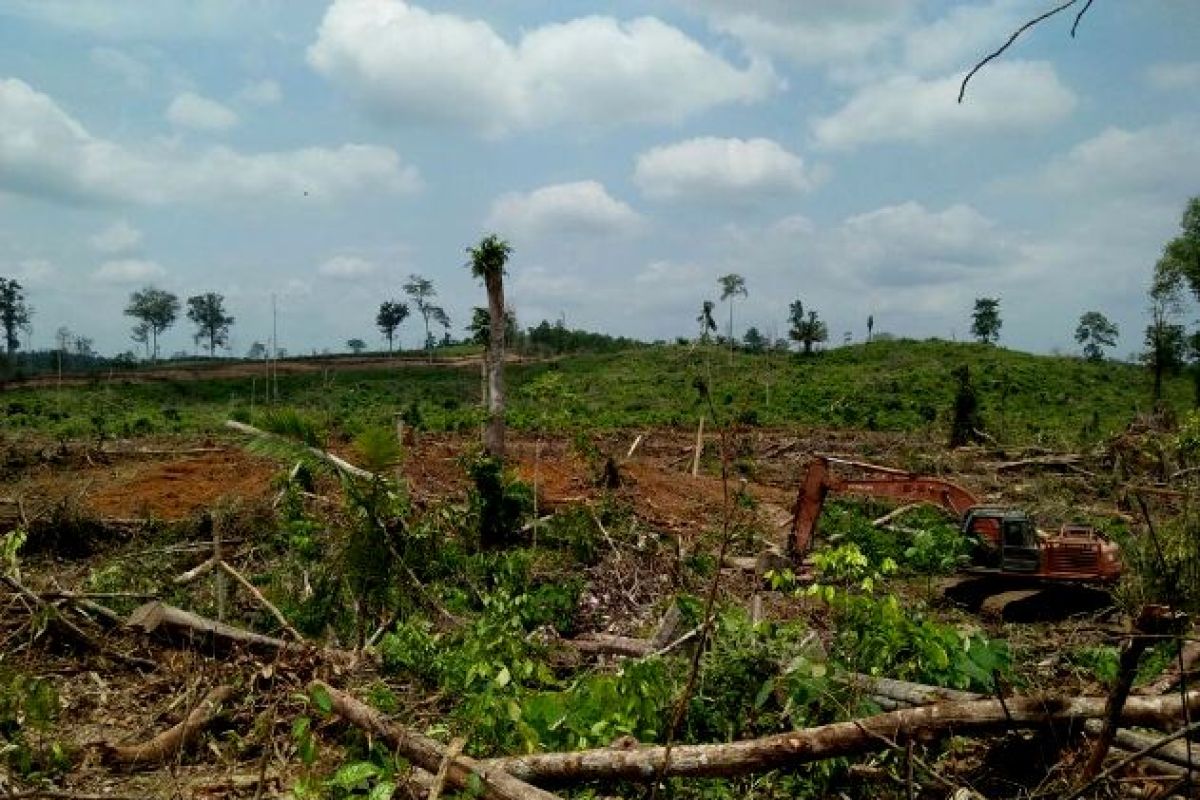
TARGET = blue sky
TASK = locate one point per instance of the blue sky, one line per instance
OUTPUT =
(632, 152)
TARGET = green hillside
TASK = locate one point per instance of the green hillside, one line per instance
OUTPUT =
(892, 385)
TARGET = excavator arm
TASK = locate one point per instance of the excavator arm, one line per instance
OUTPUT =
(819, 481)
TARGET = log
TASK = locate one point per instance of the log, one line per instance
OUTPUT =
(315, 452)
(914, 694)
(1172, 752)
(168, 622)
(1170, 677)
(196, 572)
(427, 754)
(789, 750)
(607, 644)
(170, 742)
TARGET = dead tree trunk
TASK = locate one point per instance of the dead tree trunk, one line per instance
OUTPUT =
(789, 750)
(165, 745)
(494, 435)
(430, 756)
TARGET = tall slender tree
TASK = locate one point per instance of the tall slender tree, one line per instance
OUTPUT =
(732, 285)
(487, 262)
(207, 311)
(14, 313)
(156, 309)
(421, 290)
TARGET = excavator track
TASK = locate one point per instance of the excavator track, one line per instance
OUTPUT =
(998, 599)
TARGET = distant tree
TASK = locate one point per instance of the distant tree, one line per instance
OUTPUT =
(487, 261)
(1180, 262)
(732, 285)
(807, 329)
(356, 345)
(985, 320)
(156, 309)
(141, 334)
(391, 314)
(754, 340)
(707, 324)
(481, 324)
(257, 352)
(14, 313)
(870, 326)
(1095, 332)
(1165, 341)
(83, 346)
(966, 426)
(207, 312)
(421, 291)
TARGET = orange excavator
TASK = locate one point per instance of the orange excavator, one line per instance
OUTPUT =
(1008, 544)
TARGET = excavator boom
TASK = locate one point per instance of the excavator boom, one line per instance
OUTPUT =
(895, 484)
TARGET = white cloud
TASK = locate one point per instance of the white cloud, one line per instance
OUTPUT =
(265, 92)
(670, 274)
(347, 268)
(581, 208)
(964, 35)
(1161, 161)
(907, 244)
(401, 61)
(708, 167)
(128, 270)
(44, 152)
(1179, 76)
(1007, 96)
(120, 237)
(132, 71)
(190, 110)
(809, 32)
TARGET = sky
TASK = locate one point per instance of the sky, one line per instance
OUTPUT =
(632, 152)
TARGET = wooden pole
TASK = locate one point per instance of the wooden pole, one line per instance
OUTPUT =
(699, 447)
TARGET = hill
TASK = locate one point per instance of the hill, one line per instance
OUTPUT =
(897, 385)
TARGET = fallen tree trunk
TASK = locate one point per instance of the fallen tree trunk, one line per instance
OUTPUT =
(167, 744)
(1190, 658)
(915, 694)
(1175, 753)
(789, 750)
(176, 625)
(607, 644)
(423, 752)
(316, 452)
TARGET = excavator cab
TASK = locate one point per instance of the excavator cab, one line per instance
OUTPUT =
(1005, 539)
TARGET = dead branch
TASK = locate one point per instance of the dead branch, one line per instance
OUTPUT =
(70, 629)
(195, 572)
(916, 694)
(427, 754)
(891, 515)
(263, 601)
(167, 744)
(789, 750)
(1132, 757)
(1175, 753)
(962, 89)
(315, 452)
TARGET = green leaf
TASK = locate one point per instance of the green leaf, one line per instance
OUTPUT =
(764, 693)
(503, 677)
(351, 775)
(382, 791)
(322, 700)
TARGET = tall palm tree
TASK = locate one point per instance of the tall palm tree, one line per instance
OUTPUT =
(731, 286)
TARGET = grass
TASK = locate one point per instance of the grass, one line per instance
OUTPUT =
(892, 386)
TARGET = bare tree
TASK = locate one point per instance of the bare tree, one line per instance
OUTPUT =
(421, 290)
(487, 262)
